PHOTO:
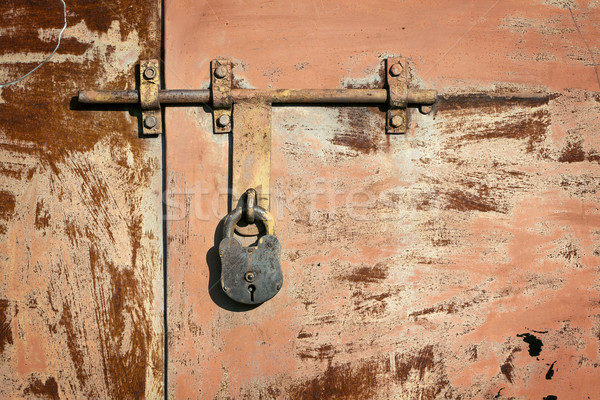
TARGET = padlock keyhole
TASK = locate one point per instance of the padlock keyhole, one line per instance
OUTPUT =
(251, 289)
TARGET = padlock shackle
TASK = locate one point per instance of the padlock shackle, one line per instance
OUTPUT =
(236, 215)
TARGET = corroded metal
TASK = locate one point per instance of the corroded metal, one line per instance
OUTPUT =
(480, 227)
(81, 234)
(222, 97)
(221, 79)
(149, 101)
(397, 82)
(251, 158)
(250, 275)
(275, 96)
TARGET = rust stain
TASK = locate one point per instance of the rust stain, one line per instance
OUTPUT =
(65, 128)
(126, 332)
(360, 134)
(42, 218)
(420, 362)
(347, 381)
(7, 204)
(6, 335)
(368, 274)
(573, 152)
(534, 129)
(365, 378)
(83, 174)
(507, 369)
(44, 390)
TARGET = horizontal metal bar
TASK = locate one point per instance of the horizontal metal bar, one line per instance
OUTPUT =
(276, 96)
(316, 96)
(108, 96)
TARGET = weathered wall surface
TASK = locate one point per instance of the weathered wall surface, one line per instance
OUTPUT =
(457, 261)
(80, 207)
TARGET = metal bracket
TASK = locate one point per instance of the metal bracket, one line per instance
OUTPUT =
(397, 81)
(149, 101)
(251, 157)
(221, 79)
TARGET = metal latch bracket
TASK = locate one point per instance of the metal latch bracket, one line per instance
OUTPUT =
(149, 97)
(221, 79)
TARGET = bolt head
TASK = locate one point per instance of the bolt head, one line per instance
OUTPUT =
(249, 277)
(425, 109)
(149, 73)
(397, 121)
(150, 122)
(396, 69)
(221, 72)
(224, 120)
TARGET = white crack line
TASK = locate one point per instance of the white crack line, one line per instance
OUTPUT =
(47, 58)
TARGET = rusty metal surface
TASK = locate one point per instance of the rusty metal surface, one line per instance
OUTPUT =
(457, 261)
(250, 274)
(80, 204)
(276, 96)
(220, 94)
(397, 82)
(251, 156)
(150, 104)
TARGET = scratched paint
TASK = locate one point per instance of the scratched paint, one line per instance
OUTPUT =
(80, 207)
(457, 261)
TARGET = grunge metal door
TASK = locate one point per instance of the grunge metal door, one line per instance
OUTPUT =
(81, 298)
(457, 261)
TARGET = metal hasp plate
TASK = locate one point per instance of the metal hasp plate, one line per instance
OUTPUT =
(251, 157)
(149, 101)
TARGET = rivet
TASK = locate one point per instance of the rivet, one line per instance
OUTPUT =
(396, 69)
(225, 288)
(221, 72)
(224, 120)
(249, 277)
(278, 285)
(150, 122)
(149, 73)
(425, 109)
(397, 121)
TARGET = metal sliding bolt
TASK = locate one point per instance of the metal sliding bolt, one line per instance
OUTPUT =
(149, 73)
(221, 72)
(396, 69)
(397, 121)
(150, 122)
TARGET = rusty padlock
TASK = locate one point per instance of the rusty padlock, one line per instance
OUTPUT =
(250, 275)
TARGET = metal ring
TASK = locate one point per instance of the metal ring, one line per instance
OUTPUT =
(250, 202)
(236, 214)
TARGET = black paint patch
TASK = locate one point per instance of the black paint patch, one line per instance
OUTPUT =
(550, 372)
(550, 397)
(535, 344)
(498, 395)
